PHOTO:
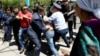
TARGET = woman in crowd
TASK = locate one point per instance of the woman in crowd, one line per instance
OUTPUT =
(87, 42)
(49, 36)
(7, 16)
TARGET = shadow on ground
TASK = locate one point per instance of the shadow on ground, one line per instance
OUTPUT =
(45, 50)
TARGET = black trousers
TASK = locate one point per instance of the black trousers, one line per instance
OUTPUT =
(70, 27)
(16, 25)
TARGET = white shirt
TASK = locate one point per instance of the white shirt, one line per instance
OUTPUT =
(59, 20)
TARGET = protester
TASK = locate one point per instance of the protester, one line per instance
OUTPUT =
(49, 36)
(59, 22)
(7, 16)
(15, 24)
(37, 22)
(68, 11)
(87, 42)
(25, 16)
(36, 4)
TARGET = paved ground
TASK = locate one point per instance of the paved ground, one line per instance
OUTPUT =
(11, 50)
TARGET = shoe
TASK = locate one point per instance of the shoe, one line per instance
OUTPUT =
(70, 41)
(68, 45)
(21, 50)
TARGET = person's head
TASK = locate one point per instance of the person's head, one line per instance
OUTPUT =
(40, 10)
(56, 7)
(87, 9)
(24, 9)
(8, 9)
(36, 4)
(15, 9)
(65, 2)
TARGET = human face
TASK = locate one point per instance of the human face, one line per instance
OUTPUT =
(41, 12)
(25, 9)
(15, 10)
(8, 10)
(65, 3)
(54, 9)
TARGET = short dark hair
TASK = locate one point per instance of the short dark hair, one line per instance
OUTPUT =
(65, 1)
(40, 8)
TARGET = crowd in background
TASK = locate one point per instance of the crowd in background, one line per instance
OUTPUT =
(28, 24)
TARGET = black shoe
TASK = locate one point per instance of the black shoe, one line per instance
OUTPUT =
(68, 45)
(21, 50)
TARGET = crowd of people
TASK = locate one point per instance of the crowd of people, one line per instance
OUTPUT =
(28, 24)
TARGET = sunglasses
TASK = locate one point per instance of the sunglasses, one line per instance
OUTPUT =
(25, 8)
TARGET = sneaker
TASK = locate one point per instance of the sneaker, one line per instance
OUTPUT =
(21, 50)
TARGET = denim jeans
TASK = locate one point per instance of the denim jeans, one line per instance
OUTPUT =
(21, 31)
(7, 30)
(49, 37)
(33, 37)
(63, 35)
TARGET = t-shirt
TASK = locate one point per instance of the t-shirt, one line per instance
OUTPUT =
(58, 20)
(24, 23)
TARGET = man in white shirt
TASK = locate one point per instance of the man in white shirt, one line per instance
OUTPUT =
(59, 22)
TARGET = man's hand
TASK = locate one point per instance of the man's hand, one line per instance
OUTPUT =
(19, 17)
(25, 16)
(45, 18)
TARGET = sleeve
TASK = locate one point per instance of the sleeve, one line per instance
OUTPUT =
(30, 15)
(52, 17)
(19, 14)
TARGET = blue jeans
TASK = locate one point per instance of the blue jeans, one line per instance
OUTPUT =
(33, 37)
(49, 37)
(21, 31)
(63, 35)
(7, 30)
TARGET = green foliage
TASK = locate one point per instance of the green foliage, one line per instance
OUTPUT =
(22, 2)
